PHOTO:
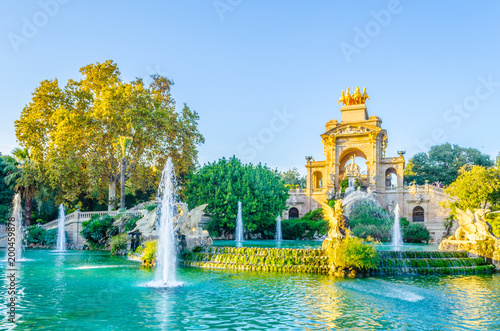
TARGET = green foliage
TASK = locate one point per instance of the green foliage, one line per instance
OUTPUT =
(369, 220)
(118, 243)
(6, 193)
(130, 224)
(353, 252)
(223, 183)
(416, 233)
(51, 237)
(152, 207)
(403, 221)
(476, 187)
(305, 227)
(73, 132)
(35, 235)
(98, 230)
(494, 220)
(293, 178)
(442, 163)
(148, 253)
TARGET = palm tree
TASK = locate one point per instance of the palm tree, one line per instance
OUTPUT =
(21, 177)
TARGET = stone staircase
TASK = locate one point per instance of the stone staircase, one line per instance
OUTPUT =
(315, 261)
(259, 259)
(428, 263)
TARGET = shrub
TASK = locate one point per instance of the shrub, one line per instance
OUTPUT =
(35, 235)
(148, 253)
(50, 238)
(353, 252)
(416, 233)
(118, 243)
(98, 230)
(368, 219)
(151, 207)
(305, 227)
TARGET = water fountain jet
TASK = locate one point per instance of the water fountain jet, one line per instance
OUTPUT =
(397, 238)
(61, 233)
(279, 236)
(239, 225)
(17, 215)
(166, 253)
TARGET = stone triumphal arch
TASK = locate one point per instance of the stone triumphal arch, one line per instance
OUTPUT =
(359, 135)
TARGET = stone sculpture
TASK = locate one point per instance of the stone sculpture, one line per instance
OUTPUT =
(473, 226)
(337, 221)
(187, 227)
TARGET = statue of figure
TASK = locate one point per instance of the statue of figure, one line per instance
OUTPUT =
(473, 226)
(365, 96)
(336, 220)
(342, 98)
(356, 96)
(352, 170)
(348, 98)
(187, 221)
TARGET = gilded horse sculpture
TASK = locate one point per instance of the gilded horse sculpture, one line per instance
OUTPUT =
(355, 99)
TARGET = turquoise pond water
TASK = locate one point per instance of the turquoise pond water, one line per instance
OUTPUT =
(82, 290)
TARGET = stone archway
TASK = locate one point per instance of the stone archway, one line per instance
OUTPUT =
(293, 213)
(391, 178)
(359, 158)
(418, 214)
(318, 180)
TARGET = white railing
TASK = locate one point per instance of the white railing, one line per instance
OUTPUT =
(86, 215)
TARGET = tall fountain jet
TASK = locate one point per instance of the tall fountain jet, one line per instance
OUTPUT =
(279, 236)
(239, 225)
(167, 250)
(61, 233)
(17, 214)
(397, 238)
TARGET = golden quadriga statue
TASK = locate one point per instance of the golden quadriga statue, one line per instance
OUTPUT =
(355, 99)
(337, 221)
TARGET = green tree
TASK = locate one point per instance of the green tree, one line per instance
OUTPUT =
(6, 193)
(22, 177)
(293, 178)
(73, 133)
(476, 187)
(223, 183)
(442, 163)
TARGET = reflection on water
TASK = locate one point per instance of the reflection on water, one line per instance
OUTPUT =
(56, 293)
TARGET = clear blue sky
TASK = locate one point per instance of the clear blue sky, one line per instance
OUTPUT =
(238, 63)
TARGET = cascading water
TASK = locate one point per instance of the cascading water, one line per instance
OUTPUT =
(279, 236)
(239, 225)
(397, 238)
(17, 214)
(61, 233)
(166, 253)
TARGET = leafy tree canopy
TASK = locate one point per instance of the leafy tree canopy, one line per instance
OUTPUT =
(6, 193)
(442, 163)
(293, 178)
(73, 133)
(222, 184)
(476, 187)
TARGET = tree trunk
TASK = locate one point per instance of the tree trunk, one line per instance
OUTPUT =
(122, 182)
(112, 194)
(27, 211)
